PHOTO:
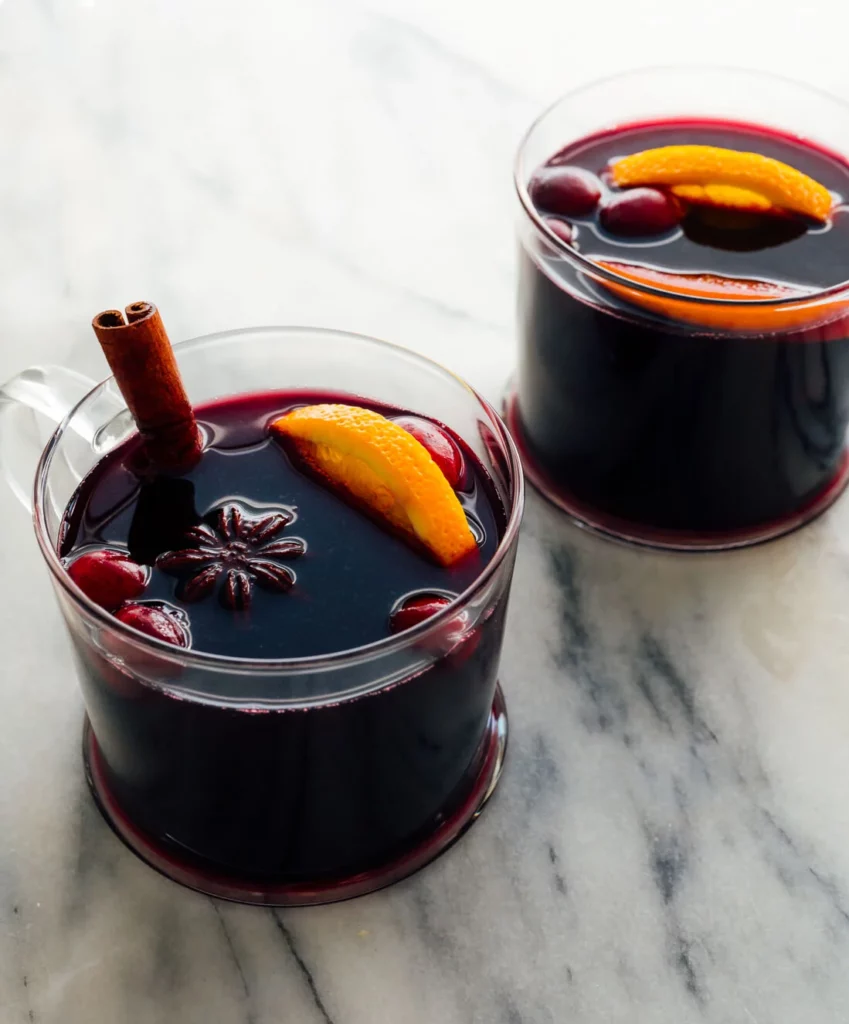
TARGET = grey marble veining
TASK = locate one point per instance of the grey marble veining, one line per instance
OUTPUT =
(670, 841)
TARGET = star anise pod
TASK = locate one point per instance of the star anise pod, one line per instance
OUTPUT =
(237, 550)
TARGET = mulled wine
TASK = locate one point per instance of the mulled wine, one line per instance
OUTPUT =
(256, 555)
(684, 367)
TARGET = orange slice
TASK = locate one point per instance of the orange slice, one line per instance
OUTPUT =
(382, 467)
(735, 314)
(729, 197)
(779, 184)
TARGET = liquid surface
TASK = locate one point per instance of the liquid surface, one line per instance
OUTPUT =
(351, 576)
(791, 250)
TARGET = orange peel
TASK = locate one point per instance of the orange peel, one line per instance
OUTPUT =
(380, 466)
(736, 312)
(778, 185)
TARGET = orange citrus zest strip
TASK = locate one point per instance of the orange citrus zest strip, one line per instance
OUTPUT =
(727, 196)
(780, 184)
(381, 466)
(732, 316)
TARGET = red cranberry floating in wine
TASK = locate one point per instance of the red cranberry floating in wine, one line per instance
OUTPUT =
(569, 191)
(640, 211)
(563, 229)
(126, 663)
(456, 639)
(442, 448)
(415, 610)
(108, 577)
(154, 621)
(464, 641)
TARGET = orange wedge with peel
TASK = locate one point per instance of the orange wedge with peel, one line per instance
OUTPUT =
(735, 314)
(778, 184)
(381, 467)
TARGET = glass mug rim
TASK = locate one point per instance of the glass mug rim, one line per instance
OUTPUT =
(316, 663)
(581, 262)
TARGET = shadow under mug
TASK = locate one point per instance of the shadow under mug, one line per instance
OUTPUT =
(294, 781)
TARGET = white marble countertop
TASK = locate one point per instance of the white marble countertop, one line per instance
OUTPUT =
(670, 842)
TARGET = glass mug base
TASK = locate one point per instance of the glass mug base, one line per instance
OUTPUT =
(283, 894)
(640, 535)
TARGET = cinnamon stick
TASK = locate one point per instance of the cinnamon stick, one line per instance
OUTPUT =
(139, 353)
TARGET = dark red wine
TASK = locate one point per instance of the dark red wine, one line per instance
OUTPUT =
(334, 784)
(673, 427)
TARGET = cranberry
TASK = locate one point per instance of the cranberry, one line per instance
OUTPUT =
(456, 640)
(154, 621)
(563, 229)
(640, 211)
(108, 577)
(466, 642)
(441, 446)
(158, 620)
(416, 610)
(570, 191)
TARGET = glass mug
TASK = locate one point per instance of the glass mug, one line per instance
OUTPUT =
(648, 429)
(293, 781)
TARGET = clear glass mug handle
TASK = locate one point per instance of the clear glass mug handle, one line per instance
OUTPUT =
(32, 405)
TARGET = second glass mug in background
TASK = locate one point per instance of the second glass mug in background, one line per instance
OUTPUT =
(645, 429)
(280, 782)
